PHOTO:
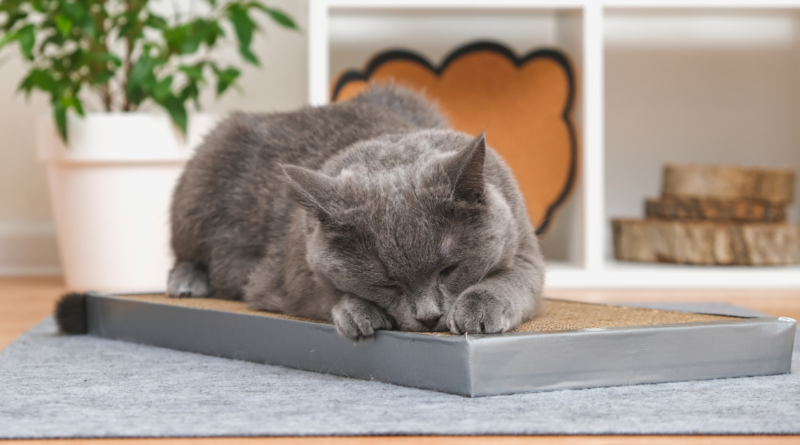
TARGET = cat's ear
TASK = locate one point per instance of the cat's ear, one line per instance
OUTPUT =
(466, 170)
(312, 190)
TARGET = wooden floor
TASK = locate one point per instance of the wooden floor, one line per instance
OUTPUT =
(25, 301)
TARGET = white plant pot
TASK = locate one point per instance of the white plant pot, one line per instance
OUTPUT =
(111, 190)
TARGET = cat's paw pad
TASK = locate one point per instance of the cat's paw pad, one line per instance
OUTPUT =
(187, 281)
(479, 312)
(358, 319)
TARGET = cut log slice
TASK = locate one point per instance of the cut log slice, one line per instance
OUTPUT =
(729, 182)
(705, 242)
(722, 210)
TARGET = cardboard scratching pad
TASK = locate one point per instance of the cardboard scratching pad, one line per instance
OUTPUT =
(523, 104)
(570, 345)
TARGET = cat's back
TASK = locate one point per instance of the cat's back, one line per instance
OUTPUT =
(309, 136)
(235, 178)
(305, 137)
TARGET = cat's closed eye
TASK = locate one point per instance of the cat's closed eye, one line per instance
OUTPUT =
(447, 270)
(390, 287)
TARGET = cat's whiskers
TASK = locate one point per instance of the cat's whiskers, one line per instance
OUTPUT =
(485, 271)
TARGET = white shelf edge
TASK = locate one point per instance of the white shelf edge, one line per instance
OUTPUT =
(695, 4)
(318, 52)
(593, 138)
(505, 4)
(657, 276)
(455, 4)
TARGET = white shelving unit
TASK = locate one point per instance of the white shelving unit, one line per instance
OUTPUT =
(677, 81)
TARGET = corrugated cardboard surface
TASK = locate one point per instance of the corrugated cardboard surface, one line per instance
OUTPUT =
(556, 315)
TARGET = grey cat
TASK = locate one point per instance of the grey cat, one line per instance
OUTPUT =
(369, 213)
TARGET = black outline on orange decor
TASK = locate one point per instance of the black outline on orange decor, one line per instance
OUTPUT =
(552, 54)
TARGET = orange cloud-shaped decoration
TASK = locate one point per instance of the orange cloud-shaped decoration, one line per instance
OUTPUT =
(523, 104)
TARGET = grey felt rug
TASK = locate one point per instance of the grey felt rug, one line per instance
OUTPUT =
(55, 386)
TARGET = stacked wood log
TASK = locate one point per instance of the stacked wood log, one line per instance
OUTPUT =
(714, 215)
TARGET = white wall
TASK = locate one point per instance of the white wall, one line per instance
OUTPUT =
(27, 235)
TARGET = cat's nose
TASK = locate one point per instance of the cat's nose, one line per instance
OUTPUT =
(429, 323)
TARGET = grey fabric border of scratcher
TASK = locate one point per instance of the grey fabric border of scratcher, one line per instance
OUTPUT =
(470, 365)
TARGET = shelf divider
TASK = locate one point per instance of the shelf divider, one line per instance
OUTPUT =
(593, 137)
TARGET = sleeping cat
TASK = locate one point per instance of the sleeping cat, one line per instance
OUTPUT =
(371, 214)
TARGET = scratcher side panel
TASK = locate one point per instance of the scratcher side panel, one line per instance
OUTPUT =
(624, 356)
(422, 361)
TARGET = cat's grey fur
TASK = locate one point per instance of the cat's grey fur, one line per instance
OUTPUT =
(369, 213)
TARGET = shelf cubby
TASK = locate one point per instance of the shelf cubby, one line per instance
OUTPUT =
(657, 82)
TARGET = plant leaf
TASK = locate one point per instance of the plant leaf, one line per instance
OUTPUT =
(281, 18)
(225, 78)
(244, 27)
(155, 21)
(103, 78)
(162, 89)
(177, 112)
(275, 14)
(78, 13)
(8, 38)
(27, 39)
(185, 39)
(60, 116)
(38, 78)
(242, 24)
(141, 78)
(214, 31)
(195, 35)
(191, 91)
(38, 6)
(194, 72)
(72, 102)
(63, 24)
(248, 55)
(142, 70)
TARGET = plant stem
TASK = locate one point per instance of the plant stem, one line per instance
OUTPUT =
(126, 104)
(105, 94)
(105, 89)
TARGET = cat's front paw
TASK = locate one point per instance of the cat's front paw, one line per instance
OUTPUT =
(477, 311)
(356, 318)
(187, 280)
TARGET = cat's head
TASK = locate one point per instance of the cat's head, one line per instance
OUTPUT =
(407, 222)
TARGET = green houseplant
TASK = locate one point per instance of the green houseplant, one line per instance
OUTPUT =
(126, 53)
(111, 163)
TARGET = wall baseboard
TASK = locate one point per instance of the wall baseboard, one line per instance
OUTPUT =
(29, 248)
